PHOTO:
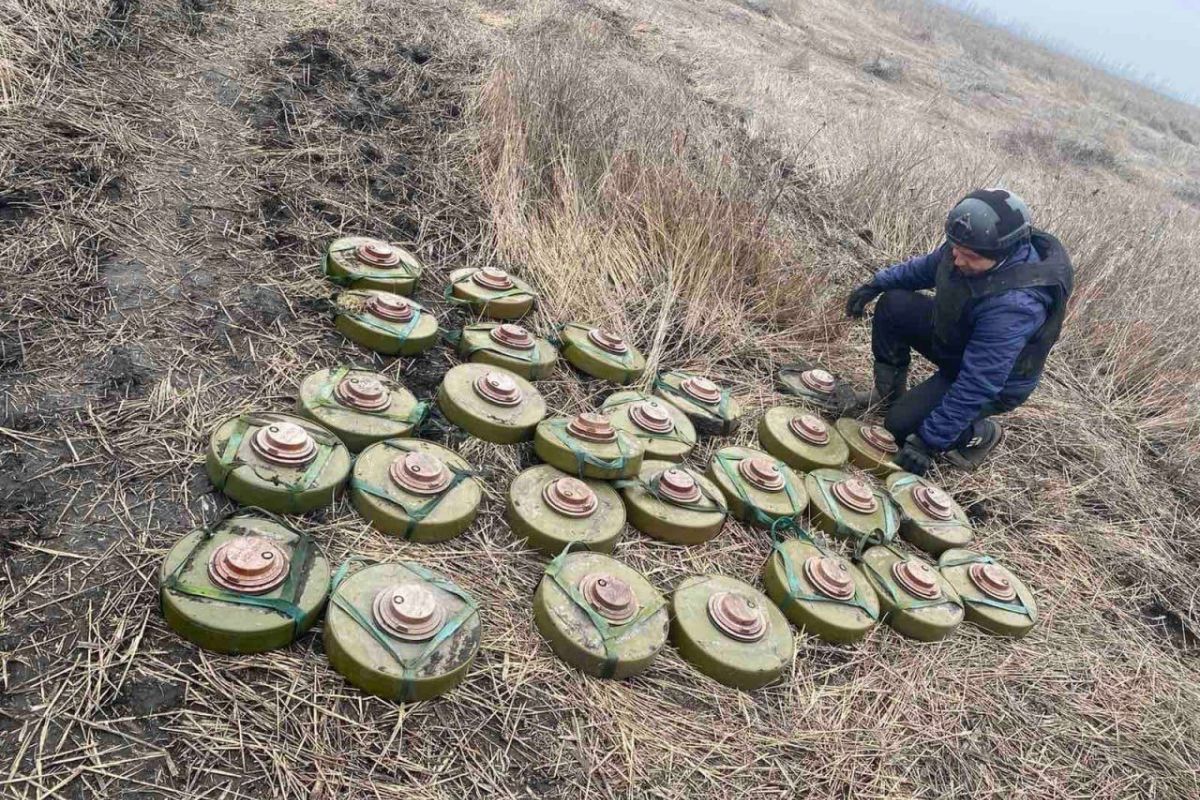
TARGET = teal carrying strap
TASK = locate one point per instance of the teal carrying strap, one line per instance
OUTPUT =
(409, 667)
(414, 512)
(884, 586)
(1016, 608)
(325, 399)
(795, 590)
(228, 462)
(558, 428)
(757, 514)
(402, 270)
(891, 518)
(714, 503)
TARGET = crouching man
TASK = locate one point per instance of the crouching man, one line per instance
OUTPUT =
(1000, 297)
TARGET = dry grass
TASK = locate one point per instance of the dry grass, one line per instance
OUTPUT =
(170, 174)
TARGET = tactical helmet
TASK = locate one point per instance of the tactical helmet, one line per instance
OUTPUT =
(990, 222)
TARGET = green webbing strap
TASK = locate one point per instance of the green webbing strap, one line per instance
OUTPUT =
(796, 592)
(353, 275)
(641, 433)
(987, 601)
(610, 634)
(623, 359)
(558, 427)
(758, 515)
(229, 462)
(324, 399)
(722, 404)
(292, 588)
(414, 513)
(408, 666)
(891, 521)
(715, 503)
(532, 356)
(882, 585)
(496, 294)
(400, 334)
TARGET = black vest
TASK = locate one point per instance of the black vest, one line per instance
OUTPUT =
(957, 293)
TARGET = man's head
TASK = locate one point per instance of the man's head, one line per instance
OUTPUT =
(984, 227)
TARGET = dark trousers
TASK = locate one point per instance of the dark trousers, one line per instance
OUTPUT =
(903, 322)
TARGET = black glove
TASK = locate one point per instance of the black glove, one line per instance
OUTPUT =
(914, 457)
(856, 305)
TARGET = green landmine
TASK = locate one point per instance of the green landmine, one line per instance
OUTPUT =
(507, 345)
(360, 262)
(491, 403)
(801, 440)
(916, 600)
(599, 615)
(993, 598)
(551, 510)
(415, 489)
(400, 631)
(814, 386)
(849, 507)
(246, 585)
(730, 631)
(491, 292)
(384, 322)
(588, 446)
(710, 407)
(760, 488)
(929, 517)
(664, 431)
(277, 462)
(820, 592)
(359, 406)
(674, 503)
(872, 447)
(601, 353)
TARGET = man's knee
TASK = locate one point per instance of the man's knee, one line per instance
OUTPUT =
(894, 303)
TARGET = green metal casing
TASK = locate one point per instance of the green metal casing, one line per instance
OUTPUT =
(381, 335)
(671, 446)
(492, 303)
(343, 268)
(355, 427)
(744, 498)
(547, 529)
(462, 405)
(777, 438)
(1015, 620)
(835, 519)
(924, 620)
(715, 419)
(606, 461)
(589, 359)
(863, 454)
(789, 587)
(477, 345)
(932, 535)
(670, 521)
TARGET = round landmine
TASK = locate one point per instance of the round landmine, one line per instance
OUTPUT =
(916, 600)
(930, 519)
(508, 345)
(384, 322)
(278, 462)
(759, 487)
(587, 445)
(247, 585)
(401, 632)
(664, 431)
(415, 489)
(708, 405)
(872, 447)
(360, 262)
(850, 507)
(993, 598)
(552, 510)
(820, 592)
(730, 631)
(674, 503)
(801, 440)
(601, 353)
(492, 292)
(600, 615)
(358, 406)
(491, 403)
(815, 386)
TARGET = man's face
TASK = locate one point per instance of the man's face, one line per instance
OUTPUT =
(969, 262)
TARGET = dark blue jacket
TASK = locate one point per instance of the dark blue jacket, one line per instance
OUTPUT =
(1000, 326)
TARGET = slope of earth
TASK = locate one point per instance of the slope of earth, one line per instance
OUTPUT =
(170, 175)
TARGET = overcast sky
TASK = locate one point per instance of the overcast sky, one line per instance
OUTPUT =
(1157, 37)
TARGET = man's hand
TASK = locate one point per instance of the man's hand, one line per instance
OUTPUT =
(856, 305)
(914, 457)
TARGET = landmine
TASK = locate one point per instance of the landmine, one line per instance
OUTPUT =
(491, 403)
(674, 503)
(816, 387)
(820, 592)
(415, 489)
(601, 353)
(588, 446)
(599, 615)
(551, 510)
(491, 292)
(664, 431)
(400, 631)
(508, 345)
(360, 262)
(917, 601)
(930, 519)
(850, 507)
(384, 322)
(359, 406)
(801, 440)
(872, 447)
(993, 598)
(246, 585)
(277, 462)
(710, 407)
(730, 631)
(760, 488)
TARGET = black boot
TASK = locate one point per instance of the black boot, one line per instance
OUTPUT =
(985, 437)
(891, 383)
